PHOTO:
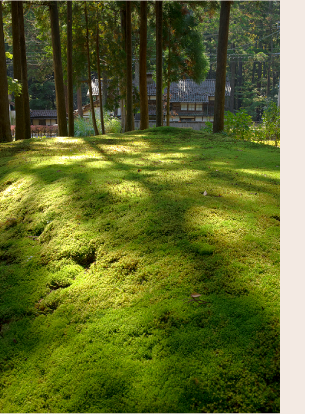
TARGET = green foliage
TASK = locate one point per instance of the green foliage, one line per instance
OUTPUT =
(83, 127)
(112, 125)
(184, 51)
(238, 124)
(14, 86)
(208, 127)
(271, 122)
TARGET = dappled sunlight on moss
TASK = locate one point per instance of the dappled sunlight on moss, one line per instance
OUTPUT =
(101, 245)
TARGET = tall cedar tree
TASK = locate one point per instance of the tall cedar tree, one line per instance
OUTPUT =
(185, 55)
(129, 78)
(143, 68)
(220, 84)
(58, 70)
(20, 129)
(96, 132)
(159, 63)
(99, 80)
(5, 135)
(24, 74)
(70, 70)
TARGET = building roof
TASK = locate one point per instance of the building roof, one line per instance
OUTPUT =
(182, 91)
(188, 91)
(43, 113)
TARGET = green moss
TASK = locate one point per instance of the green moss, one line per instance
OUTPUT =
(102, 242)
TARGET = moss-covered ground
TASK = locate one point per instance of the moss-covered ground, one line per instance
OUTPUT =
(102, 242)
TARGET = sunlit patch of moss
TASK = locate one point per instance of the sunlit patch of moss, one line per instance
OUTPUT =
(101, 246)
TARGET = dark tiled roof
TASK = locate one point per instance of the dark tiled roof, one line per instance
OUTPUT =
(43, 113)
(183, 91)
(189, 91)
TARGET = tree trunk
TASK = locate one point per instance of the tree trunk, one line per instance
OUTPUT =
(220, 85)
(24, 75)
(19, 108)
(144, 123)
(58, 70)
(168, 82)
(123, 114)
(168, 104)
(268, 80)
(122, 85)
(232, 86)
(129, 78)
(159, 63)
(96, 132)
(70, 70)
(99, 82)
(79, 102)
(5, 133)
(104, 89)
(240, 84)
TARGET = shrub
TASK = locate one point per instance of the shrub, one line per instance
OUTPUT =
(83, 127)
(208, 127)
(271, 122)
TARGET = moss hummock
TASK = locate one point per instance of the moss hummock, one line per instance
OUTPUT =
(103, 240)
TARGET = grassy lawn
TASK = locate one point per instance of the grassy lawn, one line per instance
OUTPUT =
(102, 242)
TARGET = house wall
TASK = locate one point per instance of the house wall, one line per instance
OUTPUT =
(47, 121)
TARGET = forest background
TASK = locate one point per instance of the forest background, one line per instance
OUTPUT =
(253, 59)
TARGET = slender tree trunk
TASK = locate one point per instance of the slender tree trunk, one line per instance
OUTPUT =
(104, 89)
(70, 69)
(129, 78)
(268, 79)
(240, 84)
(232, 86)
(24, 75)
(123, 81)
(5, 133)
(232, 82)
(168, 83)
(99, 81)
(253, 72)
(159, 63)
(19, 108)
(65, 97)
(144, 123)
(79, 102)
(58, 70)
(220, 85)
(96, 132)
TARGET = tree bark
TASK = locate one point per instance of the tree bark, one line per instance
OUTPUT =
(58, 69)
(232, 83)
(70, 69)
(79, 102)
(159, 63)
(168, 83)
(144, 123)
(129, 78)
(19, 108)
(24, 75)
(99, 82)
(5, 133)
(122, 85)
(240, 84)
(220, 85)
(96, 132)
